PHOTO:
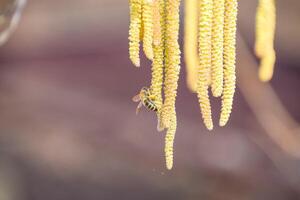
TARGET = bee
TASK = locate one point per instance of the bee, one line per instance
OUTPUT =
(145, 98)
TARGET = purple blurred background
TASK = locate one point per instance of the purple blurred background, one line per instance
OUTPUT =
(68, 129)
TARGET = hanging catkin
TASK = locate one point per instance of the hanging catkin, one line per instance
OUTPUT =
(229, 59)
(147, 19)
(158, 60)
(264, 44)
(172, 60)
(169, 142)
(210, 55)
(205, 32)
(135, 31)
(217, 48)
(190, 42)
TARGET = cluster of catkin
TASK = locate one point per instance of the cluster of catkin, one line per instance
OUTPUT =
(210, 53)
(264, 44)
(155, 24)
(210, 40)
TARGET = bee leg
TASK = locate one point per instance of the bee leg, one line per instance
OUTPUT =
(159, 124)
(138, 108)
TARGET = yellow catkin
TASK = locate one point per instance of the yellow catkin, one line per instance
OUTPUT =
(217, 48)
(147, 17)
(229, 59)
(266, 67)
(172, 59)
(190, 42)
(158, 62)
(169, 142)
(205, 29)
(134, 31)
(265, 31)
(157, 74)
(157, 34)
(265, 27)
(260, 36)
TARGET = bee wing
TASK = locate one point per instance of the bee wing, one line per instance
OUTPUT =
(138, 108)
(136, 98)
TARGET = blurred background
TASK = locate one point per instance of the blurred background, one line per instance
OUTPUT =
(68, 129)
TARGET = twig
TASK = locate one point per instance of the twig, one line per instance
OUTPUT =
(266, 106)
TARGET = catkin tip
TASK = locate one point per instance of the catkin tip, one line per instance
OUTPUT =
(229, 60)
(136, 63)
(217, 47)
(210, 127)
(169, 141)
(147, 18)
(204, 68)
(222, 123)
(169, 166)
(264, 44)
(266, 68)
(217, 92)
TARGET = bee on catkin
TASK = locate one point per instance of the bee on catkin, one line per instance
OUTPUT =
(210, 55)
(146, 98)
(158, 59)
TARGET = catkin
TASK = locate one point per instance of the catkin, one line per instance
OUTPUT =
(205, 30)
(266, 67)
(169, 142)
(157, 74)
(265, 31)
(217, 48)
(229, 59)
(147, 17)
(172, 60)
(190, 42)
(260, 36)
(135, 31)
(158, 61)
(158, 11)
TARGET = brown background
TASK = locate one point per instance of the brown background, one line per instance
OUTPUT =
(68, 128)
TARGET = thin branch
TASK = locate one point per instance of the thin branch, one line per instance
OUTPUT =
(265, 104)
